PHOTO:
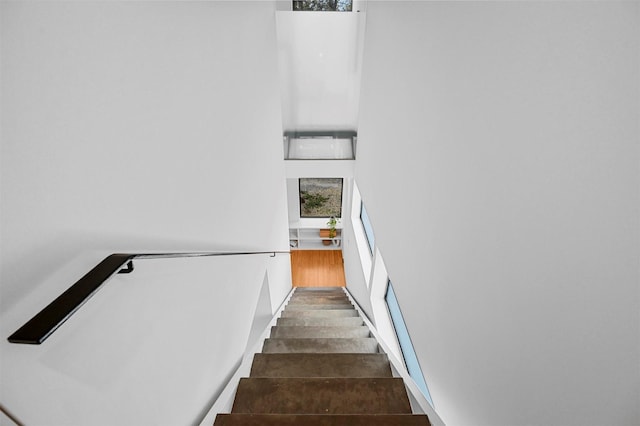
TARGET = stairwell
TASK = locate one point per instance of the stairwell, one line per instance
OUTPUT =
(321, 366)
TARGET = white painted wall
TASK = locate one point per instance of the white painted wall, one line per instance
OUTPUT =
(296, 169)
(498, 158)
(319, 54)
(319, 168)
(135, 126)
(357, 258)
(6, 420)
(152, 347)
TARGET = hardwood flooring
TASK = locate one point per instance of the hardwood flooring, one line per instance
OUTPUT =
(317, 268)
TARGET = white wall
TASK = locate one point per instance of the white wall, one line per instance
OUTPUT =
(319, 54)
(135, 126)
(357, 258)
(5, 420)
(296, 169)
(498, 159)
(154, 347)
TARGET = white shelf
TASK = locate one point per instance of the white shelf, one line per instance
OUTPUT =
(310, 239)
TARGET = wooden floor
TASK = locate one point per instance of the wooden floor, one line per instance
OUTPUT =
(317, 268)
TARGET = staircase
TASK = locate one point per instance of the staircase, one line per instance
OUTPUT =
(321, 367)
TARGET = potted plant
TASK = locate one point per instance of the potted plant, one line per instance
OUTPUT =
(331, 232)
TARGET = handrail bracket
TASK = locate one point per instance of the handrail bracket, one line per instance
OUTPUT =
(128, 269)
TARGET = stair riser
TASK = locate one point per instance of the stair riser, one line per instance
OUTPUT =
(320, 365)
(320, 296)
(298, 332)
(321, 396)
(320, 345)
(319, 290)
(321, 420)
(319, 300)
(314, 307)
(340, 321)
(320, 313)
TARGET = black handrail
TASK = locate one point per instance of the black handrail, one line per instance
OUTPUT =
(45, 322)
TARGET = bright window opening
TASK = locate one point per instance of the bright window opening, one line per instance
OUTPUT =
(408, 353)
(320, 197)
(364, 252)
(368, 229)
(323, 5)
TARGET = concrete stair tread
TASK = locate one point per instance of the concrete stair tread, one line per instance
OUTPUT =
(302, 332)
(322, 420)
(321, 396)
(318, 300)
(339, 293)
(320, 365)
(317, 306)
(319, 289)
(320, 295)
(320, 313)
(310, 321)
(320, 345)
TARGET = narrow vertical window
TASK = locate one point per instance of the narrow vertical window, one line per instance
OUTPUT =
(409, 354)
(368, 230)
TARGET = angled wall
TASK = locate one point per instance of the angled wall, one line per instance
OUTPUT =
(137, 126)
(319, 55)
(498, 160)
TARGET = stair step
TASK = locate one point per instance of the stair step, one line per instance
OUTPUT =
(301, 307)
(316, 293)
(302, 332)
(322, 420)
(310, 321)
(319, 300)
(319, 290)
(321, 396)
(320, 365)
(321, 345)
(320, 313)
(337, 292)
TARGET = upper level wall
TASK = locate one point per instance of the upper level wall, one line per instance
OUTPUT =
(320, 55)
(137, 126)
(498, 160)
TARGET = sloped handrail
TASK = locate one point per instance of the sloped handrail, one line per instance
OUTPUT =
(50, 318)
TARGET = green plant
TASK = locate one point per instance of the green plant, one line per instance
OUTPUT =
(332, 227)
(313, 201)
